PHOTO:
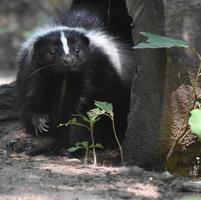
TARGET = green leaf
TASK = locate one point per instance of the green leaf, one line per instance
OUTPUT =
(155, 41)
(107, 107)
(73, 149)
(72, 121)
(99, 146)
(85, 144)
(195, 122)
(93, 114)
(78, 144)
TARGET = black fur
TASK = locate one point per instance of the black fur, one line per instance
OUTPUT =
(52, 86)
(80, 18)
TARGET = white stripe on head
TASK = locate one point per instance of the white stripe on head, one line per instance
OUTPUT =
(64, 43)
(45, 30)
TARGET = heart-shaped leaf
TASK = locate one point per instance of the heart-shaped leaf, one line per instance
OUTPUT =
(155, 41)
(107, 107)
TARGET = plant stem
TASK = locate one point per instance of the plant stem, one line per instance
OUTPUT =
(86, 155)
(111, 116)
(93, 143)
(79, 124)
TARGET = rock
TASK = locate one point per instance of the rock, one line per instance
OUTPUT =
(166, 175)
(124, 170)
(135, 171)
(163, 176)
(125, 195)
(191, 186)
(160, 178)
(73, 161)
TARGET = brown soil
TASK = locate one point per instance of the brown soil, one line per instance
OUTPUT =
(24, 177)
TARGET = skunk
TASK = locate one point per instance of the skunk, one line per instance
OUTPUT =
(63, 67)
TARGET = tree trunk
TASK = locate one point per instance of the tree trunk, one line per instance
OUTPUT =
(162, 88)
(142, 145)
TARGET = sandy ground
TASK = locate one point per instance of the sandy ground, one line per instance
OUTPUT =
(59, 178)
(39, 177)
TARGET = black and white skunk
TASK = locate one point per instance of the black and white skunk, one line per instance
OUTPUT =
(66, 65)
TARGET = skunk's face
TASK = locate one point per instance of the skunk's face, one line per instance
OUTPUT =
(62, 51)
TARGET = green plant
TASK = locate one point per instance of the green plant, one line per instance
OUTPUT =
(85, 146)
(155, 41)
(89, 121)
(195, 122)
(107, 110)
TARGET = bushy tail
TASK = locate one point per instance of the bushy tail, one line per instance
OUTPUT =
(80, 18)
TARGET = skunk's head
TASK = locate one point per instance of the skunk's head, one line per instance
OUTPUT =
(61, 51)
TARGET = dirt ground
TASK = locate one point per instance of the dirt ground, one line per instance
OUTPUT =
(52, 178)
(24, 177)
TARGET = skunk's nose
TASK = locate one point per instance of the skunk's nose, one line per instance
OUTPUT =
(67, 60)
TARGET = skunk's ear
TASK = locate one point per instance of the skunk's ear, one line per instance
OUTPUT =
(85, 40)
(35, 48)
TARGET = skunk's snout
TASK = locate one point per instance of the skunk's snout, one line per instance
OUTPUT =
(67, 60)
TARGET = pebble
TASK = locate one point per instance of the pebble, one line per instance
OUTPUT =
(135, 171)
(73, 161)
(124, 170)
(162, 176)
(191, 186)
(3, 152)
(76, 198)
(124, 195)
(166, 176)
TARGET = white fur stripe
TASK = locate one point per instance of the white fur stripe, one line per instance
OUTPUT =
(47, 29)
(64, 43)
(96, 37)
(106, 42)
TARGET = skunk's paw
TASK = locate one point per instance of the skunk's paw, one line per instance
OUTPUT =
(40, 123)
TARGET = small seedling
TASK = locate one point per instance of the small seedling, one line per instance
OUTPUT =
(85, 146)
(107, 110)
(89, 121)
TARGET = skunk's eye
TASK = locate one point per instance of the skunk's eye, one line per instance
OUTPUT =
(52, 51)
(77, 50)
